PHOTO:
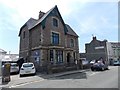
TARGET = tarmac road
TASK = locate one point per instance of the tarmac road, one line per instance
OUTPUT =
(87, 79)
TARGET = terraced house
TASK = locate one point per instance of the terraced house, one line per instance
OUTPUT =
(48, 42)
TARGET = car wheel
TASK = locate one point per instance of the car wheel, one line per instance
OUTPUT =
(92, 69)
(34, 74)
(21, 75)
(107, 68)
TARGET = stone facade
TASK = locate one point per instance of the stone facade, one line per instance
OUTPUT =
(96, 49)
(48, 42)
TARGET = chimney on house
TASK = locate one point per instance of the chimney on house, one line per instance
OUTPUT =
(94, 38)
(41, 14)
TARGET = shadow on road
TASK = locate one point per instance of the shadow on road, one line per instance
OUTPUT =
(78, 75)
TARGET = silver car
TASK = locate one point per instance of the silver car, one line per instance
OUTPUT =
(14, 68)
(116, 63)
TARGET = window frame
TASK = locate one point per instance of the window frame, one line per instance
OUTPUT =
(52, 56)
(55, 38)
(55, 22)
(72, 42)
(59, 56)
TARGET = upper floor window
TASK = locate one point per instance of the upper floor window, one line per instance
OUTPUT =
(55, 38)
(23, 34)
(55, 22)
(71, 43)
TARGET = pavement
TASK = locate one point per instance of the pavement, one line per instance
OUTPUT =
(16, 80)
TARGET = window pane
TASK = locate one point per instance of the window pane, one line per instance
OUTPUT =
(55, 22)
(55, 38)
(51, 56)
(59, 56)
(72, 43)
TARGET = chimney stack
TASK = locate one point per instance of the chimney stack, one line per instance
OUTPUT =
(41, 14)
(94, 38)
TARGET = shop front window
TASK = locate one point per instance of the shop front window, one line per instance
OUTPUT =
(51, 56)
(59, 56)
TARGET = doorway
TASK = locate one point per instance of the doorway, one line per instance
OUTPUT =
(68, 58)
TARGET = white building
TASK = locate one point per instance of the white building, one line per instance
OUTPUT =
(113, 50)
(4, 57)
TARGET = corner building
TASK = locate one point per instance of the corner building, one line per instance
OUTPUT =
(49, 43)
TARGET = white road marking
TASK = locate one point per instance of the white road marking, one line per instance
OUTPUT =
(93, 73)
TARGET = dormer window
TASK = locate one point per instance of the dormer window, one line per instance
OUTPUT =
(55, 22)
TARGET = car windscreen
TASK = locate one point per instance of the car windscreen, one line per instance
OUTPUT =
(27, 65)
(115, 61)
(14, 65)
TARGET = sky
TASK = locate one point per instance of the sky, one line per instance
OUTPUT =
(86, 17)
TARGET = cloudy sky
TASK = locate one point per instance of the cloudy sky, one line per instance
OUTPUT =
(86, 17)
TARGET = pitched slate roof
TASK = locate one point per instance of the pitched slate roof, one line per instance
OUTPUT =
(70, 31)
(44, 16)
(29, 24)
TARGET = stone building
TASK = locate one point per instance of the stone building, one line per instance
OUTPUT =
(96, 49)
(48, 42)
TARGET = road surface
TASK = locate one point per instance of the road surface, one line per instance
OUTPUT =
(88, 79)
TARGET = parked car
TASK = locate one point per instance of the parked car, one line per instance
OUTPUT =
(85, 62)
(14, 68)
(92, 62)
(99, 65)
(27, 68)
(116, 63)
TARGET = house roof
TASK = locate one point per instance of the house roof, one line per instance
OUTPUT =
(29, 24)
(2, 51)
(44, 16)
(94, 39)
(70, 31)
